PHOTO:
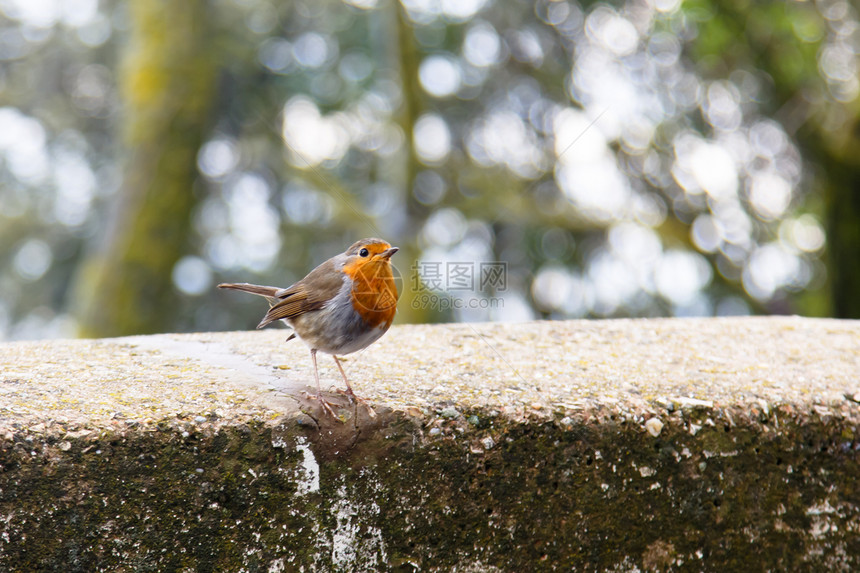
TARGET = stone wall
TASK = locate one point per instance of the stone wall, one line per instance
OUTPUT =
(650, 445)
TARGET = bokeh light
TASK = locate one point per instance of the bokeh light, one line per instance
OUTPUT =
(615, 169)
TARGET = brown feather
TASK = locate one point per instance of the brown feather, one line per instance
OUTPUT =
(269, 292)
(311, 293)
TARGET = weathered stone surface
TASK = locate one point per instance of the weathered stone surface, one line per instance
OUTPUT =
(665, 445)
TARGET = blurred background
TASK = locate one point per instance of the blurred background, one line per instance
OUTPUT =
(625, 159)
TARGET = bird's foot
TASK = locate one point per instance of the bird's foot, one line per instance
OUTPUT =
(325, 405)
(356, 399)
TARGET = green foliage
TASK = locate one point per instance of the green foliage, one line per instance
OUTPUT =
(252, 140)
(790, 42)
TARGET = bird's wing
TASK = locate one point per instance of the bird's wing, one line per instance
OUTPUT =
(311, 293)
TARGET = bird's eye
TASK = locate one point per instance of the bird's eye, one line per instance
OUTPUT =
(363, 252)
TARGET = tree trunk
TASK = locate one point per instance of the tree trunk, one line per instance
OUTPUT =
(167, 85)
(842, 203)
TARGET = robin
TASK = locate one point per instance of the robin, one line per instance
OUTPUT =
(342, 306)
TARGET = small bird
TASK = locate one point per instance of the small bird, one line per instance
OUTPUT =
(342, 306)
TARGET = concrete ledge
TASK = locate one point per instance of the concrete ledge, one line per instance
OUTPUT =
(702, 445)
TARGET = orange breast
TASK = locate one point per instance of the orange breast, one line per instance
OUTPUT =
(374, 295)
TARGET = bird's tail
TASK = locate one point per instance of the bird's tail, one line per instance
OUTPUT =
(267, 291)
(271, 294)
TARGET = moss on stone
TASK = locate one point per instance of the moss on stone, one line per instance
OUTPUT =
(499, 495)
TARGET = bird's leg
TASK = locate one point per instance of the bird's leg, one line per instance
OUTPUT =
(349, 391)
(342, 373)
(325, 405)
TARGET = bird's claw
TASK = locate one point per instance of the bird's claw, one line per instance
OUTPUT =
(325, 405)
(356, 399)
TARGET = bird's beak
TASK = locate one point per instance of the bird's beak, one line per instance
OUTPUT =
(387, 253)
